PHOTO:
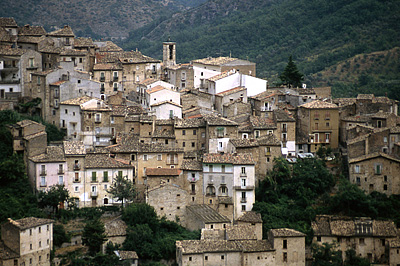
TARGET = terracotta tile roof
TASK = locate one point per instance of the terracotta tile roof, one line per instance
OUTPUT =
(179, 66)
(283, 116)
(29, 222)
(240, 232)
(66, 31)
(365, 96)
(286, 232)
(305, 91)
(35, 135)
(108, 66)
(58, 83)
(205, 246)
(244, 142)
(126, 254)
(222, 75)
(372, 156)
(214, 61)
(241, 158)
(108, 46)
(27, 122)
(163, 171)
(115, 227)
(165, 122)
(262, 122)
(382, 115)
(78, 101)
(74, 52)
(96, 160)
(395, 130)
(318, 104)
(5, 36)
(344, 101)
(264, 95)
(250, 217)
(164, 133)
(31, 31)
(246, 127)
(31, 39)
(11, 51)
(156, 88)
(166, 102)
(48, 47)
(8, 22)
(129, 144)
(395, 243)
(53, 154)
(356, 118)
(136, 57)
(74, 148)
(213, 120)
(148, 81)
(83, 42)
(206, 214)
(193, 165)
(326, 225)
(195, 122)
(225, 200)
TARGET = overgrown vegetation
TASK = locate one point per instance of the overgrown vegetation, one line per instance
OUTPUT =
(292, 195)
(151, 237)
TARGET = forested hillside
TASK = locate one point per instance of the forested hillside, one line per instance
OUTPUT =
(319, 33)
(93, 18)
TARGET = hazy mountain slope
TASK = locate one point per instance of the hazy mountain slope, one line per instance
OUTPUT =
(98, 18)
(318, 33)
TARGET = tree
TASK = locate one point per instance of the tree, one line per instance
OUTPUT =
(122, 188)
(141, 213)
(291, 75)
(352, 259)
(326, 255)
(94, 236)
(59, 235)
(53, 197)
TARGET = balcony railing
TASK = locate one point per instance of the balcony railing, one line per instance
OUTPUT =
(93, 194)
(43, 184)
(60, 171)
(43, 172)
(210, 194)
(243, 200)
(243, 174)
(77, 180)
(77, 166)
(102, 79)
(115, 78)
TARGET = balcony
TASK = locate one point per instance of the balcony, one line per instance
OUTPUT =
(43, 184)
(93, 194)
(243, 187)
(211, 194)
(43, 172)
(77, 166)
(102, 79)
(10, 81)
(243, 175)
(115, 78)
(243, 200)
(284, 129)
(77, 180)
(60, 171)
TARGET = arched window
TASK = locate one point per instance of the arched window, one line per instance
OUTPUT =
(105, 201)
(210, 190)
(223, 191)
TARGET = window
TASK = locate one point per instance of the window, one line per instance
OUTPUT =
(193, 144)
(112, 120)
(243, 183)
(357, 169)
(327, 137)
(385, 178)
(205, 257)
(243, 196)
(284, 257)
(190, 258)
(115, 86)
(61, 180)
(385, 139)
(40, 229)
(211, 168)
(30, 246)
(194, 132)
(285, 244)
(257, 133)
(243, 208)
(76, 189)
(144, 157)
(119, 173)
(223, 168)
(105, 176)
(243, 170)
(220, 132)
(203, 134)
(318, 239)
(378, 169)
(97, 118)
(183, 144)
(183, 132)
(133, 157)
(76, 177)
(385, 187)
(94, 177)
(358, 181)
(361, 241)
(30, 232)
(159, 157)
(40, 244)
(222, 257)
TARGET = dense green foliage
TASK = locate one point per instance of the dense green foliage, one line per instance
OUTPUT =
(151, 237)
(59, 235)
(286, 197)
(291, 196)
(318, 33)
(122, 188)
(52, 197)
(291, 77)
(94, 235)
(326, 255)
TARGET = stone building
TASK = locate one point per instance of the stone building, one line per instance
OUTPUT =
(48, 169)
(218, 132)
(64, 37)
(369, 238)
(192, 180)
(191, 134)
(110, 77)
(181, 76)
(115, 231)
(317, 125)
(200, 216)
(26, 241)
(229, 175)
(289, 246)
(376, 172)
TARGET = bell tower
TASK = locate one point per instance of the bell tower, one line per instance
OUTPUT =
(169, 53)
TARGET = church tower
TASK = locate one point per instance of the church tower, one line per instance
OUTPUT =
(169, 53)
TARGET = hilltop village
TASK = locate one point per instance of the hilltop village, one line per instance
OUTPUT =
(195, 139)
